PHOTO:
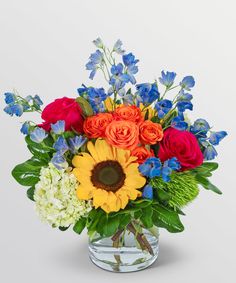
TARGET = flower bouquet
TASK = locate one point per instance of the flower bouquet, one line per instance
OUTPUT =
(121, 162)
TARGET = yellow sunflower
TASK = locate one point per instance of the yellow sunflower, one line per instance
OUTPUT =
(108, 175)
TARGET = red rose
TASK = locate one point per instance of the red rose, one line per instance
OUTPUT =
(183, 145)
(66, 109)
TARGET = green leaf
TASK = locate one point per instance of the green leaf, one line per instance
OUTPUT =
(206, 184)
(27, 173)
(163, 195)
(85, 106)
(63, 228)
(108, 225)
(40, 150)
(124, 220)
(146, 217)
(137, 214)
(168, 219)
(30, 193)
(80, 225)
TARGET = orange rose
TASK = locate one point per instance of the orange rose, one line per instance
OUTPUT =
(95, 126)
(150, 133)
(142, 153)
(129, 113)
(122, 134)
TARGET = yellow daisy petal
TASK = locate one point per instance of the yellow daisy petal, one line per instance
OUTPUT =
(112, 201)
(122, 196)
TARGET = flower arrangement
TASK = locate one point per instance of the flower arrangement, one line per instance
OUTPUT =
(126, 158)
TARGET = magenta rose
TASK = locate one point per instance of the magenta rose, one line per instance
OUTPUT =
(183, 145)
(66, 109)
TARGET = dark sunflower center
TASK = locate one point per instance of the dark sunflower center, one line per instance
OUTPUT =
(108, 175)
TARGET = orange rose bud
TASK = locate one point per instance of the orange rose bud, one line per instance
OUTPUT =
(129, 113)
(122, 134)
(150, 133)
(95, 126)
(142, 153)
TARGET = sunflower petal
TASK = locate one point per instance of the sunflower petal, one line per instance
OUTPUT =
(84, 193)
(99, 197)
(92, 150)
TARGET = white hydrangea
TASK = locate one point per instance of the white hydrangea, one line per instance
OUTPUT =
(56, 200)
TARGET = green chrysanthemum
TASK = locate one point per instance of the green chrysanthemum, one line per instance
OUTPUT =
(181, 189)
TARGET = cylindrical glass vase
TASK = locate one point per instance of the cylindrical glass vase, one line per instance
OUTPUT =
(126, 251)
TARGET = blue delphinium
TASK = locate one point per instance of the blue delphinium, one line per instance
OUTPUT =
(25, 128)
(118, 47)
(187, 83)
(167, 79)
(216, 137)
(163, 107)
(95, 96)
(38, 135)
(168, 166)
(9, 97)
(59, 161)
(98, 43)
(15, 109)
(37, 100)
(95, 60)
(59, 127)
(118, 78)
(179, 123)
(151, 167)
(61, 145)
(182, 106)
(76, 143)
(129, 59)
(209, 152)
(200, 128)
(147, 93)
(147, 192)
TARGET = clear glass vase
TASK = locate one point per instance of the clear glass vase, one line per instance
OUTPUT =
(127, 250)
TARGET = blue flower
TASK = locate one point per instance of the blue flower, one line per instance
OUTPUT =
(182, 106)
(95, 96)
(179, 124)
(168, 166)
(151, 167)
(147, 93)
(37, 100)
(209, 152)
(95, 59)
(9, 97)
(167, 78)
(98, 43)
(163, 107)
(187, 83)
(76, 143)
(59, 127)
(118, 78)
(25, 128)
(147, 192)
(216, 137)
(59, 161)
(38, 135)
(61, 145)
(16, 109)
(185, 96)
(129, 59)
(118, 47)
(131, 71)
(200, 128)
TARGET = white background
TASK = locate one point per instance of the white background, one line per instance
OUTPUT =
(44, 46)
